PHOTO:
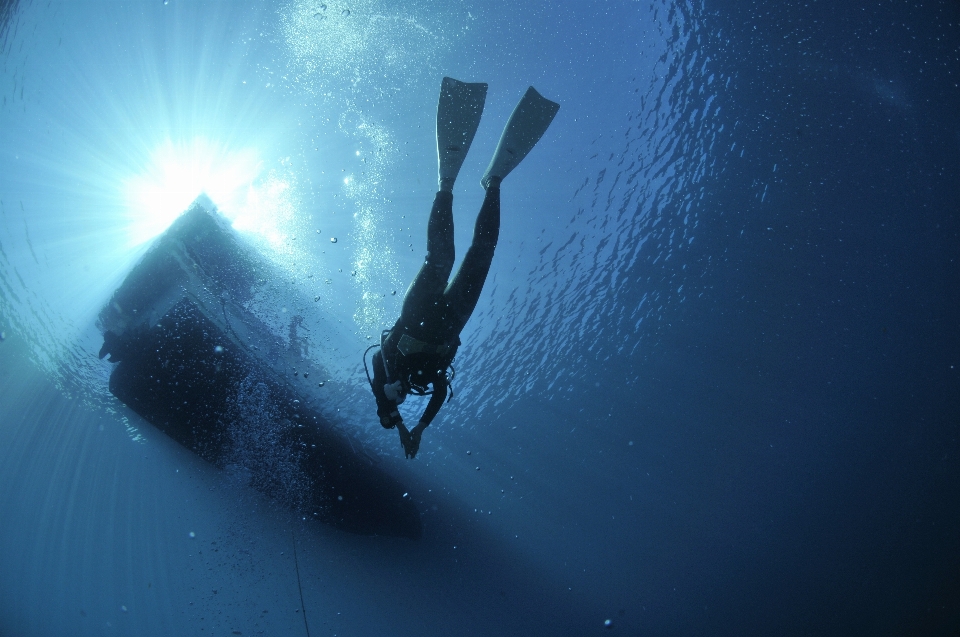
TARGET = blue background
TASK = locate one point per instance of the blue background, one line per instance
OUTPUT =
(712, 385)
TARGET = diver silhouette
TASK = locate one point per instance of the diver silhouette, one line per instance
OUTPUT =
(417, 352)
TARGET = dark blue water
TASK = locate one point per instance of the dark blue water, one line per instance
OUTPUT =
(712, 386)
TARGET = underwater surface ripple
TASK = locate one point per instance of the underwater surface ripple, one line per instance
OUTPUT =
(605, 287)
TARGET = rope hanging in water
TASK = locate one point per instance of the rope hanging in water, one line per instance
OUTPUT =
(296, 564)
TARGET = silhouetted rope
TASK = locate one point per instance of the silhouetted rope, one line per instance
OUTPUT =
(296, 563)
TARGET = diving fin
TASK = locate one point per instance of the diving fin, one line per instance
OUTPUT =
(458, 116)
(527, 124)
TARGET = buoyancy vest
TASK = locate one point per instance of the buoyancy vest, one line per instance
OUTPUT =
(414, 362)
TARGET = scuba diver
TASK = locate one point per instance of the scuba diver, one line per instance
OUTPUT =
(418, 350)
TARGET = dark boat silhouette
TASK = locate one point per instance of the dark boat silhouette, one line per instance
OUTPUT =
(193, 360)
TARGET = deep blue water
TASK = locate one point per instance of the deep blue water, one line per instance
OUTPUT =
(712, 386)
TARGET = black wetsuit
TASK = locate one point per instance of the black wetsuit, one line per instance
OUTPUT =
(421, 345)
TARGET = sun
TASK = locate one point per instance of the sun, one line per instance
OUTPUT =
(177, 173)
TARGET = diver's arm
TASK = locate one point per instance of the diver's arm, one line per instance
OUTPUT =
(386, 408)
(436, 402)
(411, 439)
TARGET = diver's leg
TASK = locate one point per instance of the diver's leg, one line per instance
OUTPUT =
(464, 291)
(430, 282)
